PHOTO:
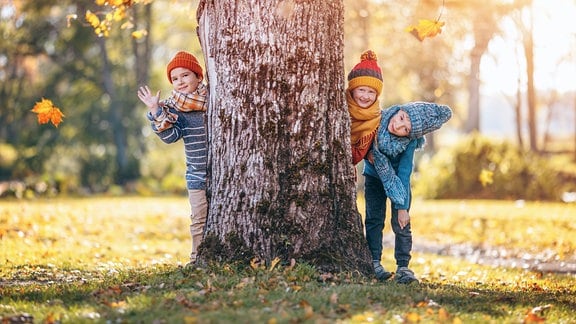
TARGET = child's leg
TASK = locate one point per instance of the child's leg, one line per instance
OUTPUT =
(402, 241)
(375, 215)
(199, 211)
(402, 250)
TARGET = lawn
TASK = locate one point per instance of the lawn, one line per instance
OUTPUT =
(105, 260)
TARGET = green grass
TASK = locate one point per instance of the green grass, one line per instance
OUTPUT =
(107, 260)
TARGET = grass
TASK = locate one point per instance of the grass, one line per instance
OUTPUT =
(104, 260)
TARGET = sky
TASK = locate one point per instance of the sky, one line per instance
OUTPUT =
(554, 40)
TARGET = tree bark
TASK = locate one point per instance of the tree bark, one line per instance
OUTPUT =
(281, 182)
(530, 88)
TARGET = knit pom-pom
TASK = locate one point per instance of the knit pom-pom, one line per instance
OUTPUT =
(368, 55)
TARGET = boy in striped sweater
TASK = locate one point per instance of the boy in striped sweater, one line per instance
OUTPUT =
(182, 116)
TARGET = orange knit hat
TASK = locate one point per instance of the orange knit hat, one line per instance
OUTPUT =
(366, 73)
(185, 60)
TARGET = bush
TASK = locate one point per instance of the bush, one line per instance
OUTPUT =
(478, 167)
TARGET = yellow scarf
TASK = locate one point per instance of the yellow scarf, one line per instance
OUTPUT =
(365, 121)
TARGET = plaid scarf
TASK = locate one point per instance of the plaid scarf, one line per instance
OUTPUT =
(184, 102)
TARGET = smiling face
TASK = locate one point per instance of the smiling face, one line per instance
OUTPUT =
(400, 124)
(364, 96)
(184, 80)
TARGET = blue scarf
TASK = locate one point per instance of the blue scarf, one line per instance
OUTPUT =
(388, 146)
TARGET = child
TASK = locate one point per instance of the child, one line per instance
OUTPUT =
(181, 116)
(364, 88)
(401, 132)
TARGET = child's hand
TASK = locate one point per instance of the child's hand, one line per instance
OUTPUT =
(403, 218)
(151, 101)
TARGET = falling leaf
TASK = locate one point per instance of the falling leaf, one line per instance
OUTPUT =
(486, 177)
(47, 112)
(426, 29)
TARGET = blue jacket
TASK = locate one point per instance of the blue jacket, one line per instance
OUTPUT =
(403, 165)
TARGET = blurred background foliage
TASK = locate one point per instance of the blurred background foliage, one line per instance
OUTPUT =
(105, 144)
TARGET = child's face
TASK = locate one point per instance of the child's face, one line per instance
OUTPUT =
(364, 96)
(184, 80)
(400, 124)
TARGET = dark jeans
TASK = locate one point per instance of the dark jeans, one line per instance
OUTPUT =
(374, 222)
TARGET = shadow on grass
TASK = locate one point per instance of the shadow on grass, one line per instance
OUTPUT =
(234, 294)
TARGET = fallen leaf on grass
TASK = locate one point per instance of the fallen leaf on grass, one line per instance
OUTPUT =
(18, 318)
(536, 314)
(412, 317)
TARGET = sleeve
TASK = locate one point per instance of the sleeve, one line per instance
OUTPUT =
(393, 187)
(405, 168)
(163, 120)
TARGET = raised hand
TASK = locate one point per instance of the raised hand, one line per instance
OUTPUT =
(150, 100)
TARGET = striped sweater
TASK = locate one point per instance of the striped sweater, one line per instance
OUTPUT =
(191, 128)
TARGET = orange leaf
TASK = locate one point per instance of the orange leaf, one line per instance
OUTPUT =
(533, 318)
(426, 28)
(47, 112)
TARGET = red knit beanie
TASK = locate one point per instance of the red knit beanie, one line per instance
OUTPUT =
(366, 73)
(185, 60)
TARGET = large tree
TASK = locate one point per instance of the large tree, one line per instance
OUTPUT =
(281, 182)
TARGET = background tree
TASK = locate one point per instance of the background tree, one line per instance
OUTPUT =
(282, 181)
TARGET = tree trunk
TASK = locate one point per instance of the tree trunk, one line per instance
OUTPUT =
(530, 88)
(518, 110)
(483, 32)
(281, 182)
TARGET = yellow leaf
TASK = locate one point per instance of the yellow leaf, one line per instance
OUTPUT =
(255, 263)
(92, 19)
(486, 177)
(426, 28)
(443, 315)
(47, 112)
(412, 317)
(137, 34)
(274, 263)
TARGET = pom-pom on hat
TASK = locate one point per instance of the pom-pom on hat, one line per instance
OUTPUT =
(366, 73)
(426, 117)
(185, 60)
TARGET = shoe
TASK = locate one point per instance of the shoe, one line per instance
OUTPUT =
(405, 276)
(381, 273)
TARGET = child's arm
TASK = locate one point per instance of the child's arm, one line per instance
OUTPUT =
(393, 187)
(405, 168)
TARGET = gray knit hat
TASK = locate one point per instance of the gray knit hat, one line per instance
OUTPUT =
(426, 117)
